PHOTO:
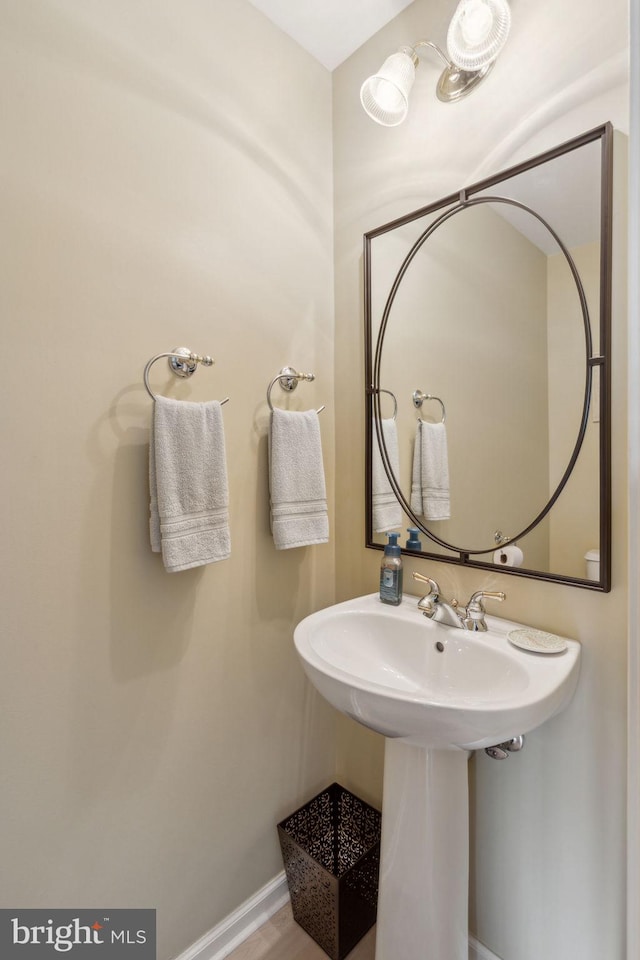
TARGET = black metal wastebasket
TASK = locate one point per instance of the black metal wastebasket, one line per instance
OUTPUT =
(331, 853)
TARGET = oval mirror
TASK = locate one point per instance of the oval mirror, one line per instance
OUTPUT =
(490, 310)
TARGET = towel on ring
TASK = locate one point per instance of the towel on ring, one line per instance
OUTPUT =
(430, 477)
(296, 480)
(387, 512)
(189, 495)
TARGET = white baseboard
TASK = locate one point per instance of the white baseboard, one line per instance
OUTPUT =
(478, 951)
(220, 941)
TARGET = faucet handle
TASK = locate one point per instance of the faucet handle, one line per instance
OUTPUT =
(481, 595)
(434, 589)
(475, 608)
(428, 603)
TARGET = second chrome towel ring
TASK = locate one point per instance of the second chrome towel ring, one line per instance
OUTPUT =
(288, 378)
(419, 398)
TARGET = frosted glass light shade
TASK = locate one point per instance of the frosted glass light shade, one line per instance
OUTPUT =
(477, 32)
(385, 95)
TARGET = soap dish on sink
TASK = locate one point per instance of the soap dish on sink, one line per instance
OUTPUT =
(537, 640)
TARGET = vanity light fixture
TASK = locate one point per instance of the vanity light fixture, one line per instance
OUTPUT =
(477, 33)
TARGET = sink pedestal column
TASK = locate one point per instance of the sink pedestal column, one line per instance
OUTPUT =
(424, 865)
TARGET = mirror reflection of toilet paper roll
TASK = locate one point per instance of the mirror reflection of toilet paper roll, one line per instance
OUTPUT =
(510, 556)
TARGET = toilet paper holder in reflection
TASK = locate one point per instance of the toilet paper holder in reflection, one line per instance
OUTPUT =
(507, 556)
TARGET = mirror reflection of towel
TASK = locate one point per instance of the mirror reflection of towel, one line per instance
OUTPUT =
(386, 509)
(430, 478)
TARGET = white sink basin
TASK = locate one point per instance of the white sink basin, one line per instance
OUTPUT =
(380, 665)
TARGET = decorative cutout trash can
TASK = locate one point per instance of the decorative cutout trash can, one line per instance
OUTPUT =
(331, 853)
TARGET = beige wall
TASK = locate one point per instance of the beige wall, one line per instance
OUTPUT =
(162, 184)
(549, 849)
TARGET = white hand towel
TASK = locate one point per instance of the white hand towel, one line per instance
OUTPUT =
(430, 477)
(189, 495)
(387, 512)
(296, 480)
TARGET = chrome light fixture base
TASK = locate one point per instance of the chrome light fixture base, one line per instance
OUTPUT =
(454, 83)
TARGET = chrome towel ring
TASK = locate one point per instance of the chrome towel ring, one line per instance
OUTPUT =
(182, 363)
(419, 398)
(395, 401)
(288, 378)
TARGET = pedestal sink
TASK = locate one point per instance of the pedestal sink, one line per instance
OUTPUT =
(435, 692)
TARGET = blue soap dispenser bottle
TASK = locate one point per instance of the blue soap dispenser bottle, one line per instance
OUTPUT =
(391, 572)
(413, 543)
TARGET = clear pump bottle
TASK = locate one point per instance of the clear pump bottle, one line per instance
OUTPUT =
(391, 572)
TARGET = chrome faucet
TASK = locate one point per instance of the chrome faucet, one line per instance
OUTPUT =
(451, 613)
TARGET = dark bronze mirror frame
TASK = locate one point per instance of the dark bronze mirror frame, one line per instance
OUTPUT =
(449, 206)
